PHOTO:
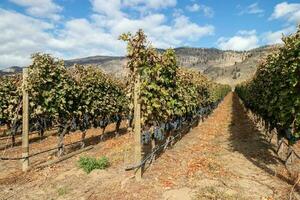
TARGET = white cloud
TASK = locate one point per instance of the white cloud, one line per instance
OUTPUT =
(247, 32)
(243, 40)
(185, 28)
(193, 8)
(275, 37)
(81, 37)
(132, 25)
(110, 8)
(151, 4)
(288, 11)
(97, 35)
(160, 4)
(146, 7)
(249, 39)
(27, 35)
(252, 9)
(40, 8)
(177, 12)
(20, 38)
(162, 35)
(207, 11)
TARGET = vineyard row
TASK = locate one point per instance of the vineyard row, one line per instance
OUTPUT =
(274, 92)
(156, 97)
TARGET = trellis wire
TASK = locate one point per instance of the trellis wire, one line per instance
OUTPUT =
(280, 142)
(170, 139)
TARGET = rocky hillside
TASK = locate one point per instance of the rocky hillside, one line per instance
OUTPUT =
(230, 67)
(11, 70)
(110, 64)
(203, 58)
(239, 71)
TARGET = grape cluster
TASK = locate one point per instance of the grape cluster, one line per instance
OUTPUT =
(146, 137)
(158, 131)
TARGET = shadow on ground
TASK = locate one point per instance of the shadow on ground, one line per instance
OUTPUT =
(249, 141)
(94, 140)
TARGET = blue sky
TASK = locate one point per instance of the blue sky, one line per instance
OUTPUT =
(78, 28)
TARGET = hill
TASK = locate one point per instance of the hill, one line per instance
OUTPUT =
(239, 71)
(10, 70)
(230, 67)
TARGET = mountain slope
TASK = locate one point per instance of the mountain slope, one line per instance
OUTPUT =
(240, 71)
(230, 67)
(204, 58)
(11, 70)
(110, 64)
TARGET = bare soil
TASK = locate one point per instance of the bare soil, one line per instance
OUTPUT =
(225, 157)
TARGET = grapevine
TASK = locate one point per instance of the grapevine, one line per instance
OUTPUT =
(169, 94)
(72, 99)
(274, 92)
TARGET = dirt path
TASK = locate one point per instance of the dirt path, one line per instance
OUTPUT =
(225, 157)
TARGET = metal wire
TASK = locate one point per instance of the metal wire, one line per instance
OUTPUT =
(292, 151)
(162, 146)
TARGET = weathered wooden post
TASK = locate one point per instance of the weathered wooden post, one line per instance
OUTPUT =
(137, 126)
(83, 138)
(136, 55)
(61, 135)
(25, 124)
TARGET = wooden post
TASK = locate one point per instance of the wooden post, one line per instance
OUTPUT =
(83, 138)
(152, 148)
(61, 135)
(137, 127)
(25, 124)
(118, 124)
(289, 158)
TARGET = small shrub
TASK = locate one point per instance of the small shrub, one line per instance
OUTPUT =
(62, 191)
(88, 164)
